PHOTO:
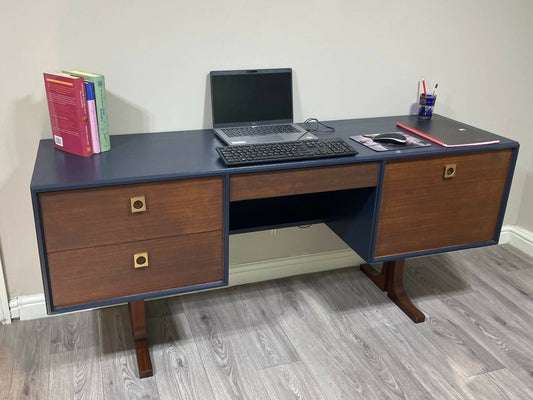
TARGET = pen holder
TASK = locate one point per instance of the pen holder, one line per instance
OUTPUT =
(426, 104)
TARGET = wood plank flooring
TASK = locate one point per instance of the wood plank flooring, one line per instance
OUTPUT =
(330, 335)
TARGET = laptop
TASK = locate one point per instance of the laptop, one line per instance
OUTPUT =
(254, 106)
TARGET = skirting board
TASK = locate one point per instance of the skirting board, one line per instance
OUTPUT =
(28, 307)
(517, 237)
(32, 307)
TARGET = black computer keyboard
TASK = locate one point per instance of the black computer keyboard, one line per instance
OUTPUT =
(259, 130)
(260, 153)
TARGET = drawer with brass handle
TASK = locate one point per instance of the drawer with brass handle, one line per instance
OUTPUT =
(117, 214)
(436, 202)
(108, 272)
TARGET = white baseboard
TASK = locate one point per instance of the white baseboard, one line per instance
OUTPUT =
(517, 237)
(32, 307)
(28, 307)
(282, 267)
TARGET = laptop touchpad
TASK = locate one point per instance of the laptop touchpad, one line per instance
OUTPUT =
(269, 138)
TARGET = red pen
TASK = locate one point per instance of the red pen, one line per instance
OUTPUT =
(424, 84)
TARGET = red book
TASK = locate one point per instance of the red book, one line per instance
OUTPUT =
(69, 116)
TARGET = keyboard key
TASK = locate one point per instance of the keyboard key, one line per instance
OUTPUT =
(259, 130)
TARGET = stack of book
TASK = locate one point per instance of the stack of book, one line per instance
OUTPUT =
(78, 112)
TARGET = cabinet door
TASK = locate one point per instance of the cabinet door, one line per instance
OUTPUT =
(424, 208)
(108, 272)
(82, 218)
(95, 236)
(262, 185)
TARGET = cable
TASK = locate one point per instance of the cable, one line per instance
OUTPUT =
(311, 129)
(308, 122)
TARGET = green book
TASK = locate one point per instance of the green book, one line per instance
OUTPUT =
(101, 105)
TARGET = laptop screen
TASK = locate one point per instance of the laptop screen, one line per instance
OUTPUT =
(251, 96)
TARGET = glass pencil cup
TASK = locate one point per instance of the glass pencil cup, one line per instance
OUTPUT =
(426, 105)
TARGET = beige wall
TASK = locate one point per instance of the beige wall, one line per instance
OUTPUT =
(350, 58)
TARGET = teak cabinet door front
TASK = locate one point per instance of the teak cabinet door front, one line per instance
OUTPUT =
(82, 218)
(131, 240)
(441, 201)
(261, 185)
(108, 272)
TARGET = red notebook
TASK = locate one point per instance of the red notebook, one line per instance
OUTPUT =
(449, 133)
(67, 105)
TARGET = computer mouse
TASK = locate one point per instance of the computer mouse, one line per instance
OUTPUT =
(390, 137)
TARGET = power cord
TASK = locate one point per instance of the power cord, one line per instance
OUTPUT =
(318, 124)
(313, 125)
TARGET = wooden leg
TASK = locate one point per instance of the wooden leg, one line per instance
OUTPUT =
(380, 280)
(390, 280)
(138, 327)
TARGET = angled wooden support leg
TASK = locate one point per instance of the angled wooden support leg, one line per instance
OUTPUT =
(380, 279)
(390, 280)
(138, 327)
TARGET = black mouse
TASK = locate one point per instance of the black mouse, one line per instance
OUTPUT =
(391, 137)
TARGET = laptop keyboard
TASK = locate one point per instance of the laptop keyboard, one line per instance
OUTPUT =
(259, 130)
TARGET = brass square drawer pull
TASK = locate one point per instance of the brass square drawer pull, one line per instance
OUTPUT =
(138, 204)
(449, 170)
(140, 260)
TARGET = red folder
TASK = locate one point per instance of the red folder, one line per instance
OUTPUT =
(449, 133)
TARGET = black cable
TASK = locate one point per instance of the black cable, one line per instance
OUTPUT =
(311, 129)
(308, 121)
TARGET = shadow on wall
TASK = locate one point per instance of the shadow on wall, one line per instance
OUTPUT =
(525, 216)
(3, 271)
(124, 117)
(208, 119)
(27, 123)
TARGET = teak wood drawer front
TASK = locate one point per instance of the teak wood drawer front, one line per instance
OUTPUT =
(306, 180)
(107, 272)
(422, 210)
(99, 216)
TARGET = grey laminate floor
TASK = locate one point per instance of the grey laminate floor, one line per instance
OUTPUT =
(330, 335)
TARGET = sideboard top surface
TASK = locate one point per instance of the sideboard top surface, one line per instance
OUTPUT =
(185, 154)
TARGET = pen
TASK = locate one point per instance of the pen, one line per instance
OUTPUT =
(424, 84)
(435, 90)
